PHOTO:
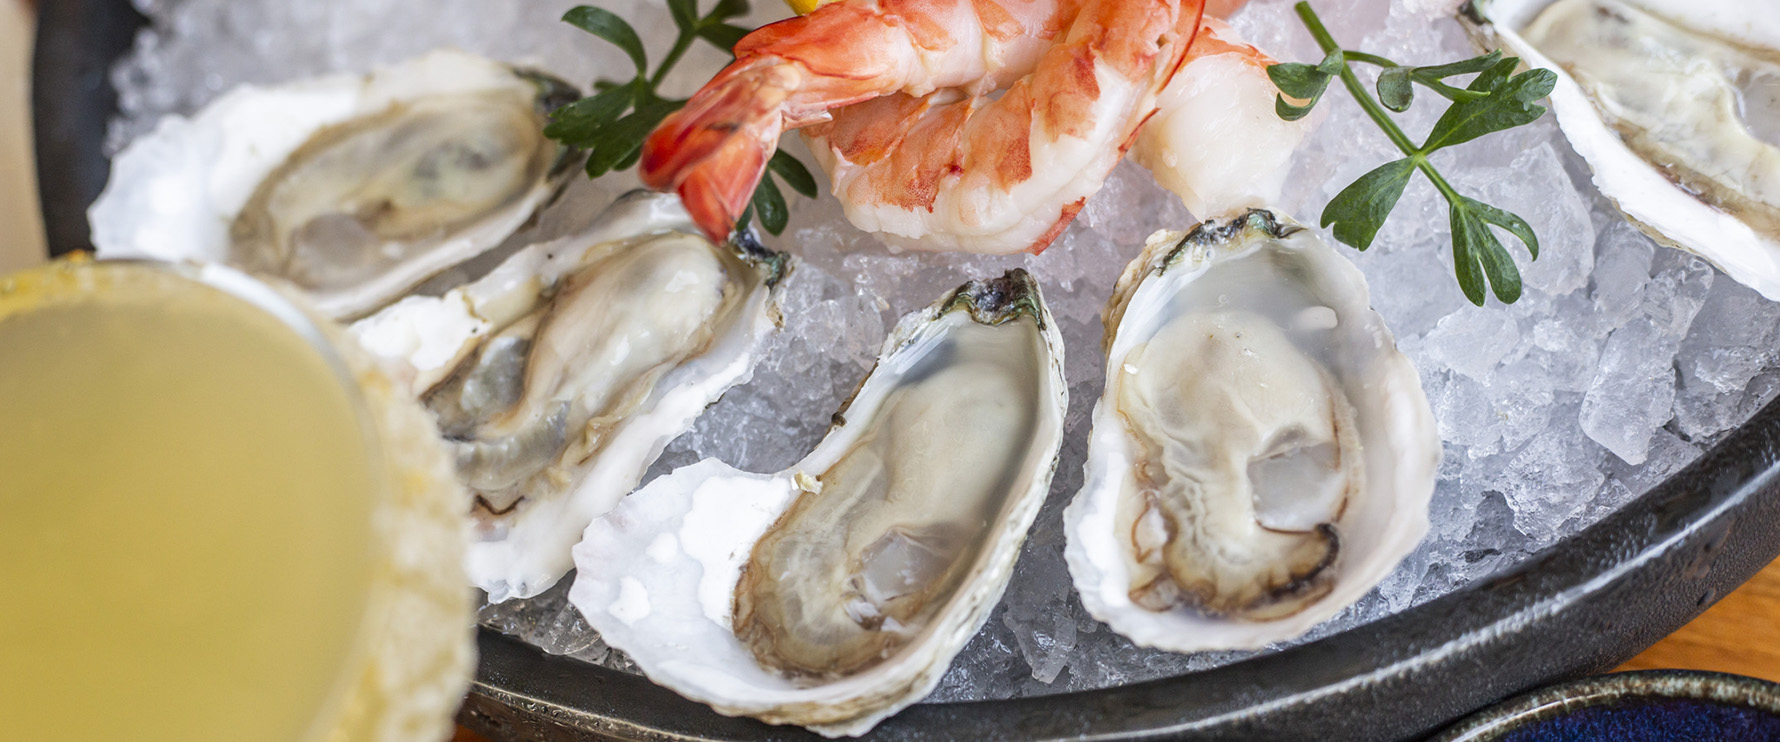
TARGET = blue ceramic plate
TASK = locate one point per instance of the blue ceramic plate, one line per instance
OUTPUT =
(1652, 706)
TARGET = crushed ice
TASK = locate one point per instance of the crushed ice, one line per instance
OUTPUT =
(1621, 363)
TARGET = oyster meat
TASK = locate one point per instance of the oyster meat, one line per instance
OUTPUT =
(836, 592)
(354, 188)
(560, 376)
(1676, 107)
(1261, 456)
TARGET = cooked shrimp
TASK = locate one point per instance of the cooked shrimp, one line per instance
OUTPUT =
(922, 149)
(1216, 141)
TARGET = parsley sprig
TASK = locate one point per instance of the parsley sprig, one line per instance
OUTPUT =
(1496, 99)
(612, 123)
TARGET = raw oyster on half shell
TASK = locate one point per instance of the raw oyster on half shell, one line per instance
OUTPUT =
(1262, 454)
(355, 188)
(836, 592)
(559, 377)
(1676, 106)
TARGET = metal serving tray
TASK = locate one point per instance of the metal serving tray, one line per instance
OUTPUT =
(1582, 606)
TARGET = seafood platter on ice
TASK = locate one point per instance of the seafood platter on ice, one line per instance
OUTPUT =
(1111, 368)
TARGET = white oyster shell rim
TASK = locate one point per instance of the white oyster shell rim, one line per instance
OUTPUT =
(656, 576)
(1401, 444)
(431, 333)
(174, 192)
(532, 551)
(1655, 204)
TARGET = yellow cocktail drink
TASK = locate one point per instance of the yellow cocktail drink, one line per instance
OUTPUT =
(186, 493)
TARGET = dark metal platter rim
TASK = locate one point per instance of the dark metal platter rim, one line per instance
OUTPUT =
(1582, 606)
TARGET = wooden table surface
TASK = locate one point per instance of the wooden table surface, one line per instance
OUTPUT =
(1740, 634)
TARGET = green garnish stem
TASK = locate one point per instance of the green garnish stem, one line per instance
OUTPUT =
(673, 56)
(1362, 57)
(1372, 108)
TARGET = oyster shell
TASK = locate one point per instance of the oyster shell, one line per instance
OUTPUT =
(1674, 104)
(355, 188)
(1262, 455)
(560, 376)
(836, 592)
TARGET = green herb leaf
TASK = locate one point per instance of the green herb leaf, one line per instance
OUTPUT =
(578, 124)
(1510, 221)
(684, 12)
(1496, 99)
(602, 159)
(1466, 269)
(1510, 104)
(1395, 89)
(723, 35)
(726, 9)
(1304, 82)
(1466, 67)
(770, 205)
(613, 123)
(1359, 210)
(623, 139)
(1289, 112)
(607, 25)
(794, 173)
(1394, 82)
(1474, 246)
(625, 163)
(1456, 95)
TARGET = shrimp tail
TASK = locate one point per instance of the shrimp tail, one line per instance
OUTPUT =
(713, 151)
